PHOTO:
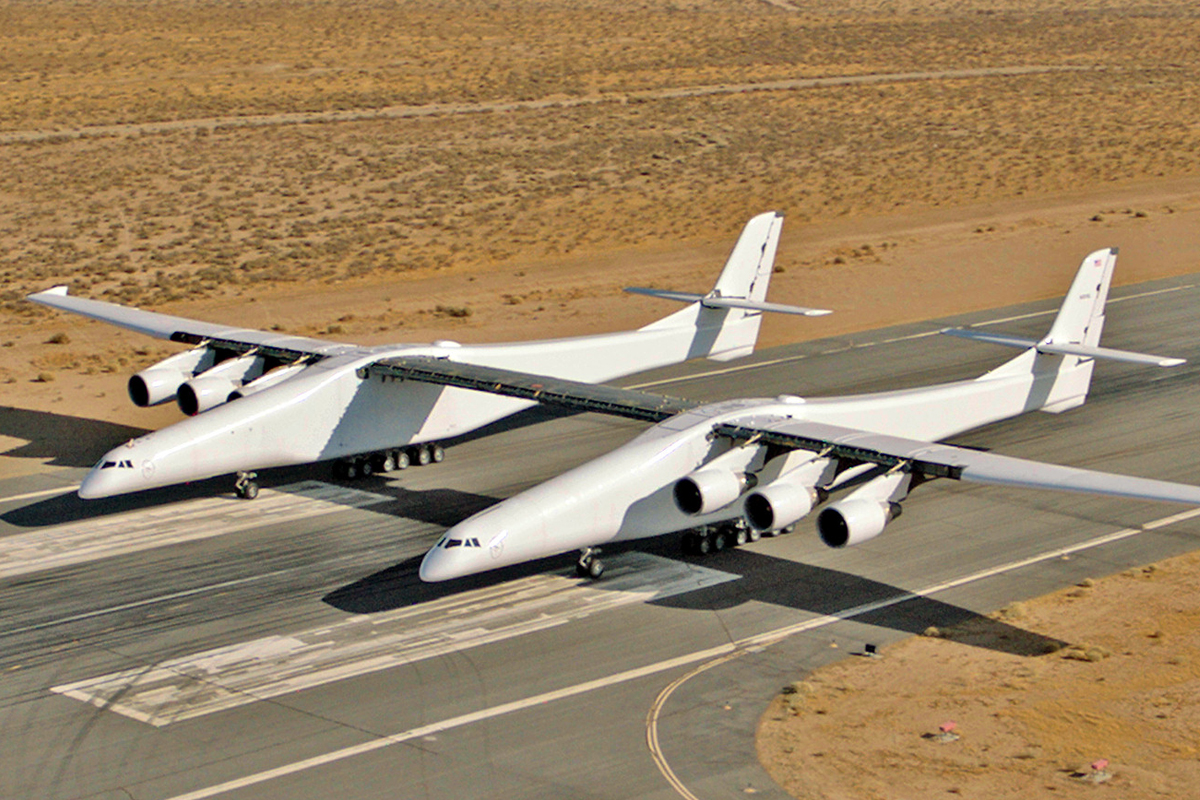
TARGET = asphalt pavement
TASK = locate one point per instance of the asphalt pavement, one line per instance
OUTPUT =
(185, 644)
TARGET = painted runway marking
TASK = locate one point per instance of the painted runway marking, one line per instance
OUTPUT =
(748, 644)
(215, 680)
(133, 531)
(43, 493)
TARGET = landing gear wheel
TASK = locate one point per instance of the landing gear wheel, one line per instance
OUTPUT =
(351, 470)
(420, 455)
(387, 463)
(401, 459)
(245, 486)
(588, 565)
(754, 534)
(704, 544)
(365, 468)
(740, 536)
(437, 453)
(719, 541)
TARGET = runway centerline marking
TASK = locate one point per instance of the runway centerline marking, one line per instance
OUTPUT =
(89, 540)
(222, 678)
(747, 644)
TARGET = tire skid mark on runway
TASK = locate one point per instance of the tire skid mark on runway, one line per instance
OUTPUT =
(706, 659)
(235, 675)
(80, 542)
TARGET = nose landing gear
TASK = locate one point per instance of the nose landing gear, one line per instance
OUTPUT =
(246, 485)
(589, 566)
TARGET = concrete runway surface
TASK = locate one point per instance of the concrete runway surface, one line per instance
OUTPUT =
(184, 644)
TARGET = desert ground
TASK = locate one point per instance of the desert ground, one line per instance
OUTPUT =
(488, 172)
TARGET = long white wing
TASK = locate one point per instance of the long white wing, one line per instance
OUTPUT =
(180, 329)
(941, 460)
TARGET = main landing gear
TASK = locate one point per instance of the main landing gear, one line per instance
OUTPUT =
(589, 565)
(715, 538)
(349, 469)
(246, 485)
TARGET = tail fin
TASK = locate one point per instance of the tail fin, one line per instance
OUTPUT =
(727, 319)
(1061, 364)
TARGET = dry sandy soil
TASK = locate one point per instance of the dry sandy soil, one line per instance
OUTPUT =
(497, 171)
(1120, 683)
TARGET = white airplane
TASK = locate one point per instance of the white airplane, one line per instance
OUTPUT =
(257, 399)
(732, 471)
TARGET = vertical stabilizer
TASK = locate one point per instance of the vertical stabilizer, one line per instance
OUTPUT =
(724, 333)
(1061, 380)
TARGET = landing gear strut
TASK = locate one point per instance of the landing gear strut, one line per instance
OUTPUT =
(246, 486)
(589, 566)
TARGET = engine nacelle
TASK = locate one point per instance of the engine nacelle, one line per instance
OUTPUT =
(709, 489)
(212, 388)
(159, 383)
(266, 381)
(855, 520)
(205, 392)
(779, 504)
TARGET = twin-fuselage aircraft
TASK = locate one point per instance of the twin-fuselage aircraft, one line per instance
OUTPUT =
(723, 473)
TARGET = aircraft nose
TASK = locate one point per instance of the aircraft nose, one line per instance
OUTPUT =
(460, 552)
(117, 473)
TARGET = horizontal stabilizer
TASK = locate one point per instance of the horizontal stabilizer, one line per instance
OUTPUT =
(1052, 348)
(712, 301)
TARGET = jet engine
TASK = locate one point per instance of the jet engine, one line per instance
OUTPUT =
(710, 488)
(159, 383)
(779, 504)
(864, 513)
(212, 388)
(266, 380)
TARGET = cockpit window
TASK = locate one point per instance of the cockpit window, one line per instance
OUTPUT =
(449, 543)
(118, 464)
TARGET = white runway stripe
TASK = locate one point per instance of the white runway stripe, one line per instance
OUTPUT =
(133, 531)
(214, 680)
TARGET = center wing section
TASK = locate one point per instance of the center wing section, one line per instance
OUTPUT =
(557, 392)
(958, 463)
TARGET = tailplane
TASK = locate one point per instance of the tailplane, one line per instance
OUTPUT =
(727, 319)
(1062, 362)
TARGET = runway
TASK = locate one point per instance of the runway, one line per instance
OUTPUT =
(184, 644)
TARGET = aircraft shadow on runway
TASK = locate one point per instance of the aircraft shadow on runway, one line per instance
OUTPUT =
(763, 578)
(66, 441)
(825, 591)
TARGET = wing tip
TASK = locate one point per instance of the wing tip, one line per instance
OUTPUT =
(60, 291)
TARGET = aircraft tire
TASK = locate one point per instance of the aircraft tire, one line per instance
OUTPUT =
(595, 569)
(740, 537)
(401, 458)
(421, 455)
(704, 544)
(387, 463)
(249, 490)
(754, 535)
(365, 468)
(437, 453)
(350, 471)
(719, 541)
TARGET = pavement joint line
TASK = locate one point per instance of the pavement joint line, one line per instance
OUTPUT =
(718, 652)
(893, 340)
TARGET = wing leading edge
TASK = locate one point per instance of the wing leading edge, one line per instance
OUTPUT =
(186, 331)
(958, 463)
